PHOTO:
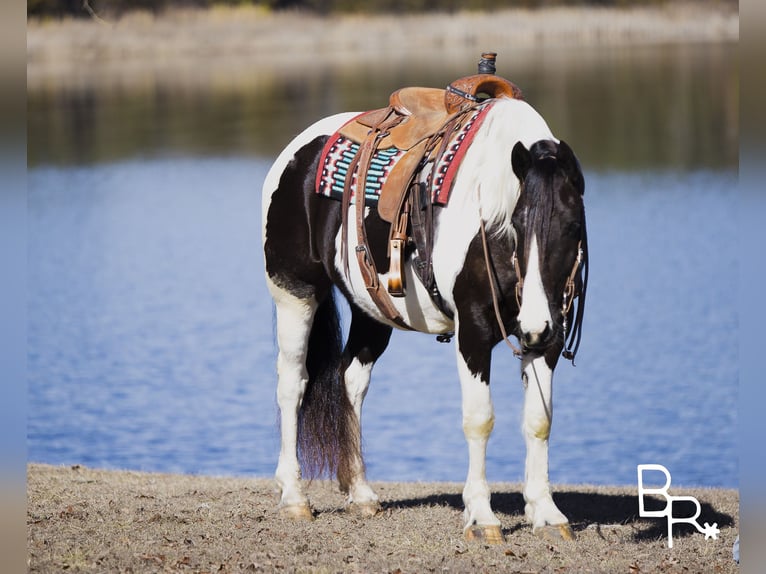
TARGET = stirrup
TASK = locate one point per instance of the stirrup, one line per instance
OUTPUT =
(396, 281)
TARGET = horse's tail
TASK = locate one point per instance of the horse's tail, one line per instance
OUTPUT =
(328, 429)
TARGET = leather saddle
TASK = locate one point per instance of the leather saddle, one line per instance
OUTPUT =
(418, 115)
(424, 111)
(420, 122)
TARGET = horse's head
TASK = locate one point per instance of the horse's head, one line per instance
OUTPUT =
(551, 245)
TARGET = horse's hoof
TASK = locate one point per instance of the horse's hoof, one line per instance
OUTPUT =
(296, 512)
(364, 509)
(485, 534)
(555, 532)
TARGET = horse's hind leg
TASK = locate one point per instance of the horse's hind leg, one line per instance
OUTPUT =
(366, 342)
(294, 319)
(547, 520)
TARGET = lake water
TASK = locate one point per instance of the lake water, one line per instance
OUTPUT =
(150, 336)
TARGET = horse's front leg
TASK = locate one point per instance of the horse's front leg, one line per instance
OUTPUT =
(478, 421)
(367, 340)
(547, 520)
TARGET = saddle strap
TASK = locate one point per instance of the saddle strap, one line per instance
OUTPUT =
(361, 164)
(443, 140)
(366, 262)
(344, 206)
(422, 212)
(422, 228)
(384, 121)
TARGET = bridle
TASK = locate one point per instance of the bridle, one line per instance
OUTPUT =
(569, 286)
(570, 292)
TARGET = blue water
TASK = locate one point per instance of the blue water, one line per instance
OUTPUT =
(151, 335)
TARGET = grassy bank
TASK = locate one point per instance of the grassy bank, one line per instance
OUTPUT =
(84, 520)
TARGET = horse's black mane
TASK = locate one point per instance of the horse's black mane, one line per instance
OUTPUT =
(537, 186)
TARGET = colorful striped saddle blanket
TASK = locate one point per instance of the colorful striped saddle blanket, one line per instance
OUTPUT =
(340, 150)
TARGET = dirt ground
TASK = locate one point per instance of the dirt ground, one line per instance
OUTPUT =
(85, 520)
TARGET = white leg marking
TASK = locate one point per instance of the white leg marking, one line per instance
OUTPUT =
(534, 315)
(294, 318)
(538, 412)
(357, 378)
(478, 421)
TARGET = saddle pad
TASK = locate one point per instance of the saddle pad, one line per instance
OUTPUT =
(339, 152)
(336, 159)
(447, 166)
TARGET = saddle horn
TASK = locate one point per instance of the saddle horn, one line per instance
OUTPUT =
(470, 90)
(487, 63)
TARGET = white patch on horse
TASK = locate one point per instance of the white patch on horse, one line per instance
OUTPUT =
(357, 380)
(486, 169)
(534, 315)
(294, 318)
(478, 422)
(416, 307)
(538, 416)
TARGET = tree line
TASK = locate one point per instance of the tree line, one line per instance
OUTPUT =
(86, 8)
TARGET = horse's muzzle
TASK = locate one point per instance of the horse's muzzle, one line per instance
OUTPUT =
(537, 340)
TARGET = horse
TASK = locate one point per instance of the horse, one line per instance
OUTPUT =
(509, 258)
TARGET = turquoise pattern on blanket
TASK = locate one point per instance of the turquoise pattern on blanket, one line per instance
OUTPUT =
(338, 161)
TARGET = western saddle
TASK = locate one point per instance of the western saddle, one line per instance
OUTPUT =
(420, 122)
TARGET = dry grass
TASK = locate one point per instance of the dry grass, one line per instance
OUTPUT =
(83, 520)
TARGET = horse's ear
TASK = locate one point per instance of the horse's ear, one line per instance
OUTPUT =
(566, 158)
(521, 160)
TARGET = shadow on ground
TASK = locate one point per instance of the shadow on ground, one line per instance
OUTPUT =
(586, 508)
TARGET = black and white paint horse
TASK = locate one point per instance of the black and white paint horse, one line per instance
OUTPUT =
(517, 187)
